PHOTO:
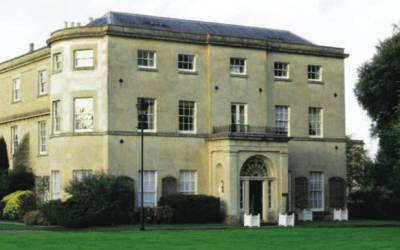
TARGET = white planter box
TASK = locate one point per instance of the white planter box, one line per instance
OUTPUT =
(286, 220)
(305, 215)
(252, 220)
(340, 214)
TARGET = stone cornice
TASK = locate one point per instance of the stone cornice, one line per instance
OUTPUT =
(184, 37)
(248, 137)
(320, 139)
(25, 59)
(127, 133)
(23, 116)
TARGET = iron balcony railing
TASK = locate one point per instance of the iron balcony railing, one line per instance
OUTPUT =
(244, 128)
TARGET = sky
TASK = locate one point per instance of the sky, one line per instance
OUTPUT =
(355, 25)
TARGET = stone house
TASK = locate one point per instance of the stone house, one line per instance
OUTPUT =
(234, 112)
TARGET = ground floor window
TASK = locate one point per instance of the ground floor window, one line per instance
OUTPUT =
(241, 194)
(55, 185)
(316, 190)
(149, 189)
(79, 175)
(187, 182)
(42, 189)
(337, 192)
(269, 194)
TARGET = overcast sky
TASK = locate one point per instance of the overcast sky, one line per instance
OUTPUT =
(355, 25)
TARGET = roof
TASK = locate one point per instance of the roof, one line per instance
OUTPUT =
(181, 25)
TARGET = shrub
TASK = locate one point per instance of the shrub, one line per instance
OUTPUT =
(27, 202)
(11, 182)
(30, 213)
(51, 210)
(157, 215)
(2, 206)
(4, 164)
(193, 208)
(11, 209)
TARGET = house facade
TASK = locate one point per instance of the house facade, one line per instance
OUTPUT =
(235, 112)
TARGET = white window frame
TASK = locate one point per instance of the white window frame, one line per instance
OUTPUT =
(83, 112)
(280, 69)
(55, 185)
(141, 58)
(82, 56)
(315, 121)
(14, 138)
(241, 195)
(16, 90)
(187, 182)
(189, 60)
(317, 200)
(269, 194)
(282, 118)
(188, 117)
(57, 61)
(236, 66)
(42, 138)
(56, 117)
(314, 71)
(149, 188)
(80, 175)
(42, 75)
(151, 114)
(239, 121)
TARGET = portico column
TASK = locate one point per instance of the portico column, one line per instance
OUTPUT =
(231, 187)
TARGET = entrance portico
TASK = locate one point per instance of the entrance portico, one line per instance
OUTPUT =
(242, 167)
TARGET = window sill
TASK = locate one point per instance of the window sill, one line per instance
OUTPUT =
(41, 95)
(84, 68)
(240, 75)
(42, 155)
(146, 131)
(187, 132)
(282, 79)
(187, 72)
(315, 82)
(315, 137)
(13, 102)
(56, 71)
(148, 69)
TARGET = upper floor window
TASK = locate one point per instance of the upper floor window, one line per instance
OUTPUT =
(282, 118)
(238, 66)
(187, 182)
(238, 117)
(186, 62)
(83, 58)
(42, 138)
(83, 114)
(55, 185)
(14, 135)
(281, 70)
(186, 116)
(57, 61)
(16, 90)
(56, 117)
(42, 82)
(146, 59)
(149, 120)
(314, 73)
(315, 122)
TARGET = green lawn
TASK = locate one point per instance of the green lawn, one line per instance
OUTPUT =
(346, 223)
(162, 225)
(6, 226)
(298, 238)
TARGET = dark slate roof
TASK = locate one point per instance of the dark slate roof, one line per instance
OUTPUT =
(154, 22)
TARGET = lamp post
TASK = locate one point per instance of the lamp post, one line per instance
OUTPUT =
(142, 110)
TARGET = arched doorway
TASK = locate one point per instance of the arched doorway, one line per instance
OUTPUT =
(255, 186)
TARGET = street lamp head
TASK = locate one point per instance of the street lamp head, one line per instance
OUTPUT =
(142, 106)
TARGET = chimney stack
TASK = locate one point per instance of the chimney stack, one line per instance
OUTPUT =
(78, 24)
(65, 25)
(90, 19)
(31, 47)
(71, 24)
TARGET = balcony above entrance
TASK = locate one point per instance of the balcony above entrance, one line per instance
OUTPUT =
(249, 129)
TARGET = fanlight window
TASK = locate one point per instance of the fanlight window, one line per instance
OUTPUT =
(254, 167)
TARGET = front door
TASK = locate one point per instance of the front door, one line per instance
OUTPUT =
(256, 198)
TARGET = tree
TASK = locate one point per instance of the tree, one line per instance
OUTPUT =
(377, 91)
(358, 165)
(4, 164)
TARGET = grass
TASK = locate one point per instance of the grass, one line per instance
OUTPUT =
(4, 226)
(161, 225)
(299, 238)
(346, 223)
